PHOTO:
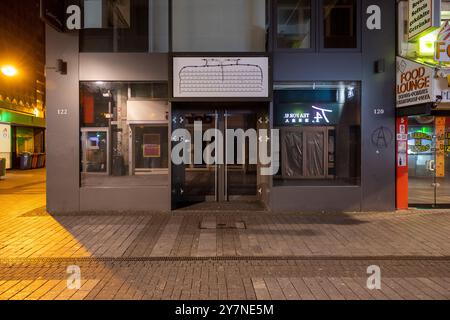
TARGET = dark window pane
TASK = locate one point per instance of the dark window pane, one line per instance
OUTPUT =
(129, 26)
(219, 25)
(340, 17)
(294, 24)
(159, 91)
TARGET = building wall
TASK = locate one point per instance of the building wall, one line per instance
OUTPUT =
(64, 193)
(377, 190)
(63, 114)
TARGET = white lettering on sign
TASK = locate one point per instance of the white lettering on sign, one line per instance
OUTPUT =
(320, 116)
(63, 112)
(74, 20)
(374, 20)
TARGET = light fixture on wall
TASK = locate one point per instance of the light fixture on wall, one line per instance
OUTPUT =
(61, 67)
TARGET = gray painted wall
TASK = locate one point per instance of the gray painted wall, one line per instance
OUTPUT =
(62, 130)
(123, 66)
(63, 134)
(378, 174)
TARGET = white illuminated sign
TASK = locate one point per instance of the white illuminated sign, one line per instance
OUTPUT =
(317, 117)
(221, 77)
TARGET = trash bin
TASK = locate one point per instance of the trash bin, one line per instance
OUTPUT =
(25, 161)
(34, 160)
(41, 160)
(2, 167)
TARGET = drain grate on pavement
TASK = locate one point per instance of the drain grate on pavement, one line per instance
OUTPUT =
(212, 225)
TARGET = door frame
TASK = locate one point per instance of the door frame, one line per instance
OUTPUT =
(221, 109)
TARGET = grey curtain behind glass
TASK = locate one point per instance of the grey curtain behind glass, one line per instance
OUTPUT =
(314, 165)
(292, 161)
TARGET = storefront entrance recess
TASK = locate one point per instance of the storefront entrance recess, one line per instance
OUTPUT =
(202, 181)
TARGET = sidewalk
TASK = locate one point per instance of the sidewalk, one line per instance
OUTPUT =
(232, 255)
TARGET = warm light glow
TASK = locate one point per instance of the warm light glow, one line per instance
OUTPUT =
(9, 71)
(426, 44)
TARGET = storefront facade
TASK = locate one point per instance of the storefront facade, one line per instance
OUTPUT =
(423, 110)
(21, 133)
(313, 79)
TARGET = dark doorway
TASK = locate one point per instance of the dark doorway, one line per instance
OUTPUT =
(235, 178)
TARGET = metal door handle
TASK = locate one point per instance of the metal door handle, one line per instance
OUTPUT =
(433, 165)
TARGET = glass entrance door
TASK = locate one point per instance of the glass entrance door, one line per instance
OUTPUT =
(240, 176)
(428, 161)
(219, 170)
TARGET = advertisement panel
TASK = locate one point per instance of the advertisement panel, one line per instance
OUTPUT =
(5, 143)
(415, 83)
(402, 162)
(423, 16)
(221, 77)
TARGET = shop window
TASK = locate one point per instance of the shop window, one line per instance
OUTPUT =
(319, 133)
(24, 140)
(294, 24)
(124, 134)
(125, 26)
(340, 24)
(219, 25)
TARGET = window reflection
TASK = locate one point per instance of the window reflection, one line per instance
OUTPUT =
(294, 24)
(219, 25)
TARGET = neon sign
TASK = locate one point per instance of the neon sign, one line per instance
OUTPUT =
(303, 114)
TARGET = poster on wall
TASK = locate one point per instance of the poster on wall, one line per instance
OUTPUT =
(5, 144)
(424, 16)
(152, 146)
(218, 77)
(414, 83)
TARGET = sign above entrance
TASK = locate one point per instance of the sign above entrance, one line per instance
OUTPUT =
(414, 83)
(424, 16)
(221, 77)
(308, 114)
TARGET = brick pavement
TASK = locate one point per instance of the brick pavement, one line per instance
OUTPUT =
(184, 255)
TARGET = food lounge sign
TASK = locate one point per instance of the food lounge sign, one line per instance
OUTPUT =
(414, 83)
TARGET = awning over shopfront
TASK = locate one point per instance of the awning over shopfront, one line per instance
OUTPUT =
(15, 118)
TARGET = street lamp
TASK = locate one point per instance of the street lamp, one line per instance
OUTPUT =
(9, 71)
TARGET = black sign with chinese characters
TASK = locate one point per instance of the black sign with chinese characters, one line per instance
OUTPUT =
(308, 114)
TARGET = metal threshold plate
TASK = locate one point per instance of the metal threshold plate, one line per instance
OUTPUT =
(211, 225)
